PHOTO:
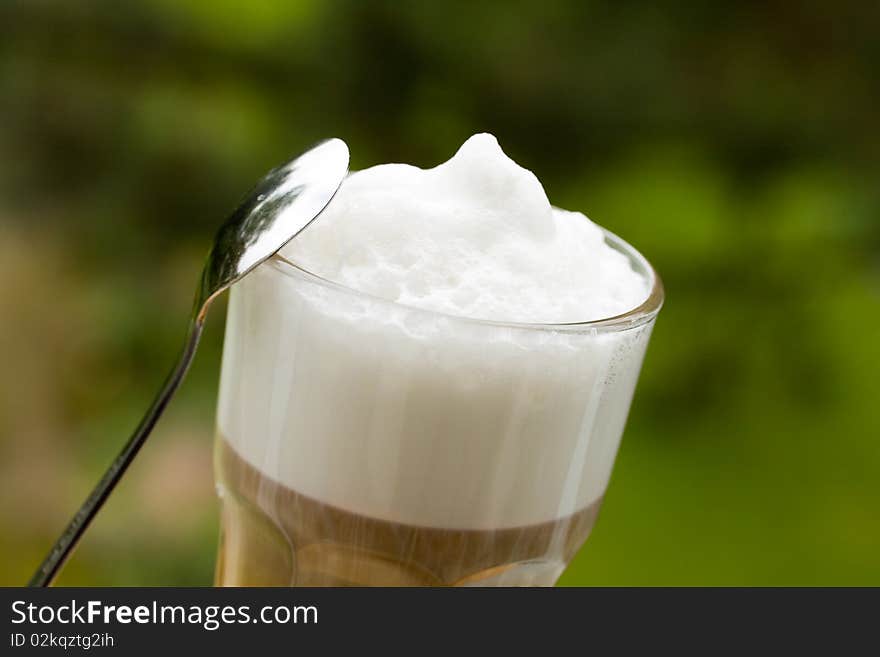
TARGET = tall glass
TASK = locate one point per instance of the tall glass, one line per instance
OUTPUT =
(364, 442)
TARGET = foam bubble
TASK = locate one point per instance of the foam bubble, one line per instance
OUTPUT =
(475, 236)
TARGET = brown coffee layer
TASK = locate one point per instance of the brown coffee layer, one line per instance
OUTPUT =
(275, 536)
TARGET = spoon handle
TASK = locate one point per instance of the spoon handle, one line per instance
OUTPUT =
(79, 523)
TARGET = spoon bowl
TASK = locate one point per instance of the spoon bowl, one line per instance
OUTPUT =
(282, 204)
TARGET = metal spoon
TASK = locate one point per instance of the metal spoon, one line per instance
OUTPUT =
(284, 202)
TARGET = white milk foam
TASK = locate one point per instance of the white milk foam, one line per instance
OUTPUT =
(383, 408)
(472, 237)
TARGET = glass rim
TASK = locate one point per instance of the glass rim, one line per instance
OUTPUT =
(641, 314)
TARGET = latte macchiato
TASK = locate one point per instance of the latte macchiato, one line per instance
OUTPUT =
(420, 390)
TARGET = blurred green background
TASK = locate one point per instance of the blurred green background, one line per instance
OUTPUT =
(735, 143)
